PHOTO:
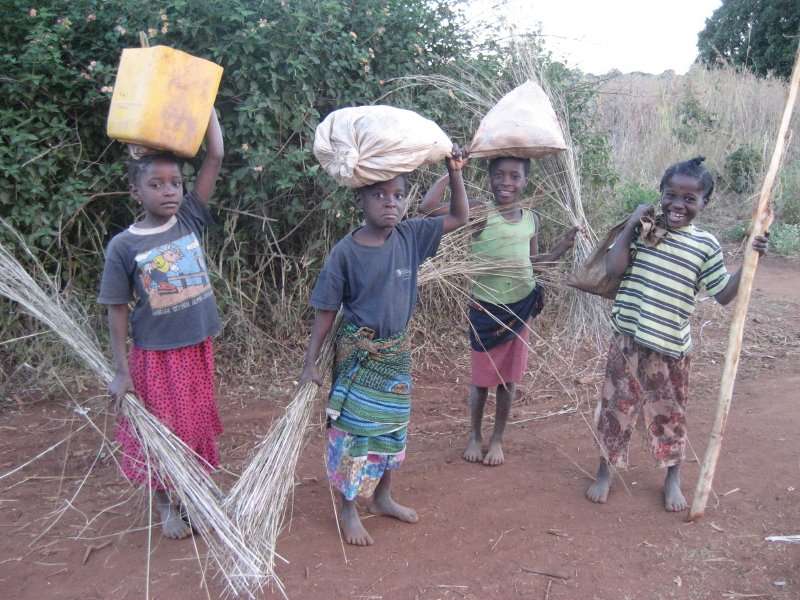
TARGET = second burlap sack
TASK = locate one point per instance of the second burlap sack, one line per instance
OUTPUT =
(362, 145)
(522, 124)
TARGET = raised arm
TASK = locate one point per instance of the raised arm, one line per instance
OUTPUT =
(215, 149)
(458, 214)
(619, 255)
(323, 321)
(118, 318)
(729, 292)
(548, 259)
(431, 205)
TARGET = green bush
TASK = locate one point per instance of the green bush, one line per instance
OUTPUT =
(784, 238)
(287, 65)
(789, 200)
(632, 193)
(742, 169)
(692, 119)
(735, 233)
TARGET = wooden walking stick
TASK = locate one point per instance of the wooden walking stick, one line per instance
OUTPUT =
(762, 219)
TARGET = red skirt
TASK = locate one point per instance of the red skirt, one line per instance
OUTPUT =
(502, 364)
(177, 386)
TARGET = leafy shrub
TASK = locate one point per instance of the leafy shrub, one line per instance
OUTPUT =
(784, 238)
(735, 233)
(789, 201)
(56, 171)
(632, 193)
(287, 65)
(742, 169)
(692, 119)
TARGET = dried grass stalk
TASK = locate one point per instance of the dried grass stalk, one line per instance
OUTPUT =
(241, 568)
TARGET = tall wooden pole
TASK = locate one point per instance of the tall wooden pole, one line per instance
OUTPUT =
(762, 219)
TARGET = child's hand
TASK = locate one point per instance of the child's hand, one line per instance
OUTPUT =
(458, 159)
(119, 386)
(641, 210)
(569, 237)
(309, 373)
(760, 243)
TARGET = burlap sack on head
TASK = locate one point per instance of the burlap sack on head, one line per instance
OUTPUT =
(523, 124)
(590, 276)
(363, 145)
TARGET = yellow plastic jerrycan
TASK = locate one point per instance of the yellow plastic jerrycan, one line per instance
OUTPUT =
(162, 99)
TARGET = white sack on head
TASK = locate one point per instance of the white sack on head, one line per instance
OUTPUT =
(362, 145)
(523, 124)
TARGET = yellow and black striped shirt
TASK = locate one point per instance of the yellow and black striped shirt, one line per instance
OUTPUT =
(660, 287)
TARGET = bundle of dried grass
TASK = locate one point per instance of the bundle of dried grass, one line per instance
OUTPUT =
(240, 567)
(257, 502)
(560, 178)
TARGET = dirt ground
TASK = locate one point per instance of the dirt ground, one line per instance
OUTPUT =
(72, 529)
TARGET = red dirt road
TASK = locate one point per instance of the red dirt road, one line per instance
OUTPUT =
(484, 532)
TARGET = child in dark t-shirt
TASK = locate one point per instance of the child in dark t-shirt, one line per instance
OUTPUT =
(158, 263)
(372, 274)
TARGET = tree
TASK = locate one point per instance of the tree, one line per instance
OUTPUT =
(758, 34)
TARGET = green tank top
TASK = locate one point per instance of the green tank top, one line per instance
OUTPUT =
(505, 245)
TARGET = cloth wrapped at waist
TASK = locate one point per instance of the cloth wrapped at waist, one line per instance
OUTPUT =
(493, 324)
(371, 390)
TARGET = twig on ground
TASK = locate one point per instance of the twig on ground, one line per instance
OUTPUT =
(545, 573)
(89, 550)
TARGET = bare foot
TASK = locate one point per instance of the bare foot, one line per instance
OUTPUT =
(598, 492)
(494, 455)
(384, 505)
(474, 452)
(352, 528)
(673, 497)
(172, 526)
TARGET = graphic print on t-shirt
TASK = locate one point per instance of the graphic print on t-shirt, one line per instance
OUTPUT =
(174, 273)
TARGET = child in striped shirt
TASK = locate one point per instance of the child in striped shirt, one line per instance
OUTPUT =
(649, 357)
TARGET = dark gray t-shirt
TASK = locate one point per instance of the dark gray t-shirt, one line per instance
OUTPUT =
(164, 271)
(377, 286)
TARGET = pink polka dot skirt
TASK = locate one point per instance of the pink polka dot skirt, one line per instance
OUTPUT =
(177, 386)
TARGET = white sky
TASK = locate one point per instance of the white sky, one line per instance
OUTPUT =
(596, 36)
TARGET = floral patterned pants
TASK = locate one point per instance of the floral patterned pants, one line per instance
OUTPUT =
(641, 378)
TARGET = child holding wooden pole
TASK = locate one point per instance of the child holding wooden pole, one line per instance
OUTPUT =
(158, 263)
(372, 274)
(505, 300)
(648, 361)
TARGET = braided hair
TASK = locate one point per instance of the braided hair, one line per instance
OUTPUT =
(691, 168)
(136, 167)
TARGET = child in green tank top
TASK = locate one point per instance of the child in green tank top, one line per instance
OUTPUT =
(507, 237)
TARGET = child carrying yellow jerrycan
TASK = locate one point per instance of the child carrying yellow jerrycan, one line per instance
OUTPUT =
(162, 102)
